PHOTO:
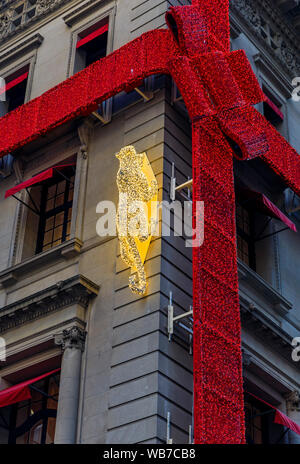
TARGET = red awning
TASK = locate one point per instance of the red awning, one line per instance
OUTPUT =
(48, 174)
(274, 108)
(280, 418)
(265, 206)
(100, 31)
(13, 83)
(20, 392)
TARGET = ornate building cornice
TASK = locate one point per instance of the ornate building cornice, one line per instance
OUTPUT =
(279, 39)
(43, 7)
(76, 290)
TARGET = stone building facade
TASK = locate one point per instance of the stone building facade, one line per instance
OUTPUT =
(64, 296)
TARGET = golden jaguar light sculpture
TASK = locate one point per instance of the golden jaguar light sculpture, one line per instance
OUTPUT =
(137, 213)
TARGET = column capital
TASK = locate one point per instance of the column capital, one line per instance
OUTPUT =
(293, 401)
(71, 338)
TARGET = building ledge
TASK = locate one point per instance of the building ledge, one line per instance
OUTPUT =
(75, 290)
(67, 250)
(81, 11)
(255, 291)
(21, 49)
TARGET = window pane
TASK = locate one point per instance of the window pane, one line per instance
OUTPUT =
(59, 200)
(61, 187)
(35, 436)
(48, 237)
(51, 191)
(58, 233)
(68, 228)
(50, 430)
(49, 223)
(50, 205)
(71, 194)
(59, 219)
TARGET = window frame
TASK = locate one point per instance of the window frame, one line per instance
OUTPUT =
(248, 238)
(108, 13)
(30, 64)
(65, 208)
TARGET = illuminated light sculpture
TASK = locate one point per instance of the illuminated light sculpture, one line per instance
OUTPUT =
(136, 217)
(195, 52)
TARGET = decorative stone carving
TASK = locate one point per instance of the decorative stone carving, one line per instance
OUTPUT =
(76, 290)
(43, 6)
(73, 338)
(5, 22)
(293, 401)
(285, 41)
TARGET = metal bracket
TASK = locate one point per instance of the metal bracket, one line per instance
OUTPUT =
(184, 321)
(104, 112)
(169, 440)
(148, 93)
(186, 185)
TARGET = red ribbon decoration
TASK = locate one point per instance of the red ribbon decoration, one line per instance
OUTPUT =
(195, 51)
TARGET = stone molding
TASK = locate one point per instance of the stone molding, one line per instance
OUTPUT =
(261, 291)
(76, 290)
(68, 250)
(82, 10)
(23, 47)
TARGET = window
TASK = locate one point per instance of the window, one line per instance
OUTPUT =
(91, 45)
(23, 12)
(272, 108)
(33, 421)
(56, 210)
(256, 422)
(245, 234)
(15, 90)
(272, 113)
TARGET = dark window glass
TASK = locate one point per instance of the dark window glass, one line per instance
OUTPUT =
(95, 49)
(271, 115)
(91, 51)
(245, 233)
(16, 96)
(56, 211)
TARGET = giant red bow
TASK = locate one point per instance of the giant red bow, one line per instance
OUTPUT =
(195, 51)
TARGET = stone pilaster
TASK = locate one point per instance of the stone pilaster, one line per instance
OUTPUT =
(72, 342)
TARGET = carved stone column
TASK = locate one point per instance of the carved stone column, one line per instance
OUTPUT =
(293, 411)
(72, 343)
